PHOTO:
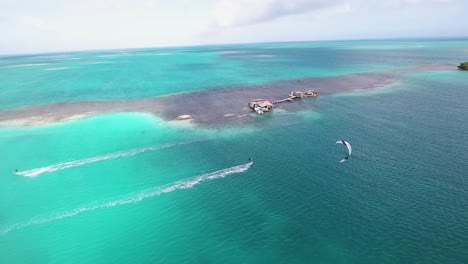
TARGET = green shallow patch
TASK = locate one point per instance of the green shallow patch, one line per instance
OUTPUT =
(97, 158)
(26, 148)
(83, 138)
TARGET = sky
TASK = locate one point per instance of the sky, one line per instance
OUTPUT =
(33, 26)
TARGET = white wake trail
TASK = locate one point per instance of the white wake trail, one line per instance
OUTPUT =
(135, 197)
(75, 163)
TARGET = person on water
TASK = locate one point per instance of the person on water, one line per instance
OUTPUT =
(250, 159)
(16, 170)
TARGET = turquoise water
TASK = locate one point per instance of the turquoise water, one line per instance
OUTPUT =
(131, 187)
(48, 78)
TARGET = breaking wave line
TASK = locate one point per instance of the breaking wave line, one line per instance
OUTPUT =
(135, 197)
(75, 163)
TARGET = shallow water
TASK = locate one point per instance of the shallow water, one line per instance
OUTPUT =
(147, 190)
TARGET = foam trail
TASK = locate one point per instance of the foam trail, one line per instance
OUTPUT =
(25, 65)
(81, 162)
(135, 197)
(56, 69)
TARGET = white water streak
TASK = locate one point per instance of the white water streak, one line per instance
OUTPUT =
(133, 198)
(25, 65)
(56, 69)
(75, 163)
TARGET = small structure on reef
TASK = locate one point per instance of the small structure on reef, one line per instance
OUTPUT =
(296, 94)
(310, 93)
(463, 66)
(261, 105)
(184, 117)
(299, 94)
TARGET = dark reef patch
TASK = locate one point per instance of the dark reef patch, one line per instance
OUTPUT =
(214, 107)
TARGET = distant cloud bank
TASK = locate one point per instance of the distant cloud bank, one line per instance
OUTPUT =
(228, 13)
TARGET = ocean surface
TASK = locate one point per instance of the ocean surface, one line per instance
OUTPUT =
(134, 187)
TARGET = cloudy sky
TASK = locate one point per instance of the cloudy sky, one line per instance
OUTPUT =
(28, 26)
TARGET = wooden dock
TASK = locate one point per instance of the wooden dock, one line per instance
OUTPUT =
(290, 99)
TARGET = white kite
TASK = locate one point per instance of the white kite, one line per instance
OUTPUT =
(349, 149)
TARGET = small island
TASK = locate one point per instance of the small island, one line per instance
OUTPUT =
(463, 66)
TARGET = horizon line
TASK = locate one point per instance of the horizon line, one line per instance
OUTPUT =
(224, 44)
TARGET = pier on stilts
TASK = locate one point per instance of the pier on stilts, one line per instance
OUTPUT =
(283, 100)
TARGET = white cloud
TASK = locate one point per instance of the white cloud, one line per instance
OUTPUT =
(230, 13)
(109, 5)
(402, 3)
(34, 22)
(344, 8)
(30, 25)
(425, 1)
